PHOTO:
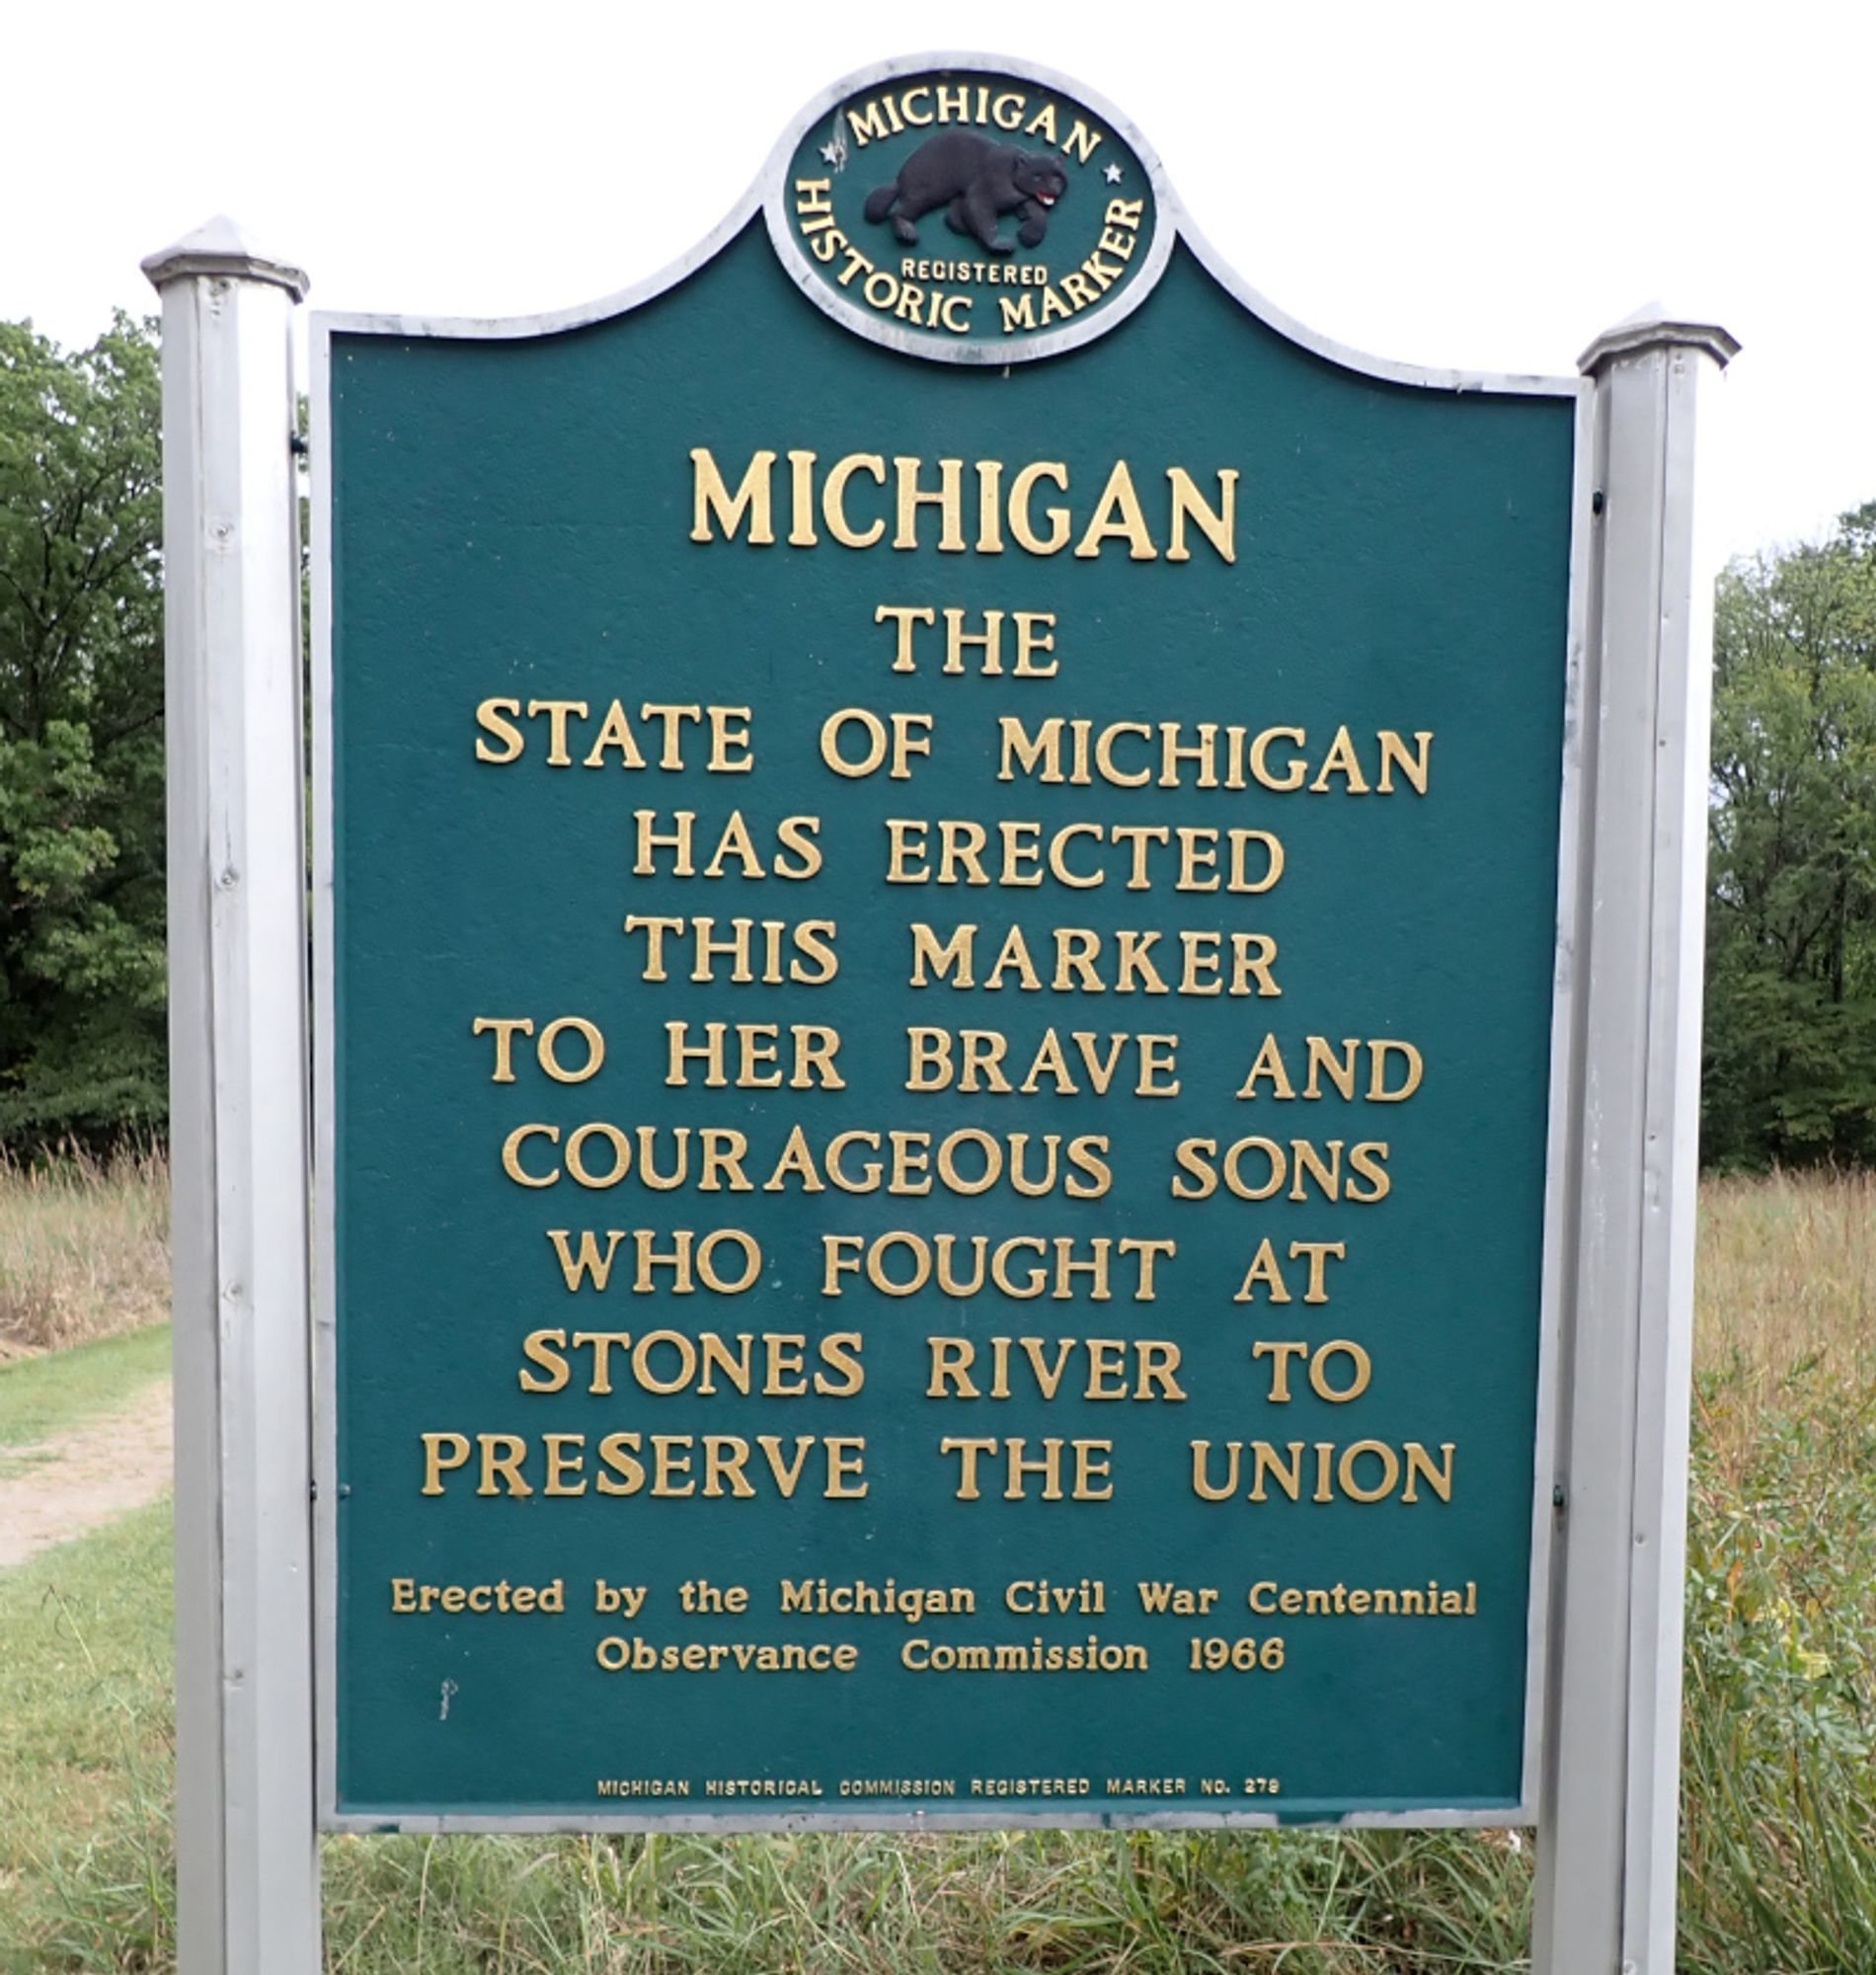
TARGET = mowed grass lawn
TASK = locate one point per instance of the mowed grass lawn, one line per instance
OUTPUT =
(44, 1396)
(1780, 1814)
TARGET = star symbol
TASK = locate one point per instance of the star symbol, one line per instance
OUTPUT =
(833, 154)
(1113, 175)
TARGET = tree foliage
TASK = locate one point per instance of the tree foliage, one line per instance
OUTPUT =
(1790, 1071)
(1790, 1056)
(81, 737)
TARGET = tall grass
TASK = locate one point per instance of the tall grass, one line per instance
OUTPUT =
(84, 1247)
(1778, 1798)
(1784, 1286)
(1778, 1804)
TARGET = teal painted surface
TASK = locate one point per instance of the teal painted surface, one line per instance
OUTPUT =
(512, 519)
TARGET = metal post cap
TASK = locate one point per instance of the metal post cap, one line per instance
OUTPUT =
(1653, 327)
(220, 247)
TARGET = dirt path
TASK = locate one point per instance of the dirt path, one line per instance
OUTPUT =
(71, 1484)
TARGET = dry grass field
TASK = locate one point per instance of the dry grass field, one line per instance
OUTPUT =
(83, 1250)
(1785, 1275)
(1778, 1813)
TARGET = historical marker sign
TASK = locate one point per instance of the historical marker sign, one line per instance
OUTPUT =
(931, 210)
(938, 1028)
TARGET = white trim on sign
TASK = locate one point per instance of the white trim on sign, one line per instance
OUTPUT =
(1566, 1041)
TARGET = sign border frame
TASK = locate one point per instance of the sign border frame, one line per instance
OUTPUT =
(1567, 1056)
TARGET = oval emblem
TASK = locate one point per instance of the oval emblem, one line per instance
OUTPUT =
(968, 213)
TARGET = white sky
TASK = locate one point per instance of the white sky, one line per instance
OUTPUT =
(1485, 186)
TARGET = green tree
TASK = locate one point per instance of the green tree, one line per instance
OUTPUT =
(81, 737)
(1790, 1072)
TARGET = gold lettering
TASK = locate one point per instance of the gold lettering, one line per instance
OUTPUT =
(1218, 525)
(712, 498)
(1118, 515)
(1021, 526)
(833, 493)
(490, 718)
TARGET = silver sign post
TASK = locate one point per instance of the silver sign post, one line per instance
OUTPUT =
(246, 1854)
(1607, 1832)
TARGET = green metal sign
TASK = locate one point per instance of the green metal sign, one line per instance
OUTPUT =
(936, 1037)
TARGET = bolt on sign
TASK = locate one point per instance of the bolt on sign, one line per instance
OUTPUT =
(937, 1033)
